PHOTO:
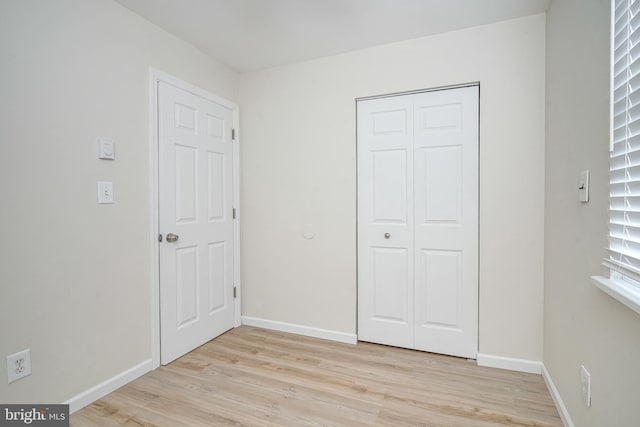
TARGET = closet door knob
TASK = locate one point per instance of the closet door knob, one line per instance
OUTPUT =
(387, 235)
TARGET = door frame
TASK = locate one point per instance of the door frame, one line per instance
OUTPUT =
(411, 92)
(157, 76)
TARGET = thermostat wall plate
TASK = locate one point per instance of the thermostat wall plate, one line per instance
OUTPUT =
(106, 149)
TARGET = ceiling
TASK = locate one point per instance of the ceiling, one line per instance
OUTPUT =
(251, 35)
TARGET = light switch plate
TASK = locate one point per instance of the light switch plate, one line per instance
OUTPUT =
(105, 192)
(585, 381)
(106, 149)
(583, 186)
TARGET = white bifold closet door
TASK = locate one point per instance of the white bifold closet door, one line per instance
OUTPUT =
(418, 221)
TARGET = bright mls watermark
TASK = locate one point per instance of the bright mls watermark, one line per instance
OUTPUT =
(34, 415)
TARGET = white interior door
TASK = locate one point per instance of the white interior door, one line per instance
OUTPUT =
(195, 220)
(446, 221)
(385, 221)
(418, 221)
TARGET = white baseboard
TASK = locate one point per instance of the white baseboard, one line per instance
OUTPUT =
(300, 329)
(512, 364)
(555, 395)
(89, 396)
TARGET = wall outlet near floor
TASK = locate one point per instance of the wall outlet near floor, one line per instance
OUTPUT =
(18, 365)
(585, 380)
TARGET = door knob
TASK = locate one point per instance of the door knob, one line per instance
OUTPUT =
(172, 237)
(386, 236)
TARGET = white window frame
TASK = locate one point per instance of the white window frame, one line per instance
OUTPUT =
(623, 262)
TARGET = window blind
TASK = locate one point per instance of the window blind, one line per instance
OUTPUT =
(624, 202)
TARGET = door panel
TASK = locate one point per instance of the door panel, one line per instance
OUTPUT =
(391, 285)
(446, 236)
(389, 121)
(215, 126)
(442, 289)
(217, 276)
(185, 117)
(187, 285)
(186, 184)
(195, 180)
(216, 186)
(438, 119)
(385, 264)
(418, 221)
(442, 185)
(389, 186)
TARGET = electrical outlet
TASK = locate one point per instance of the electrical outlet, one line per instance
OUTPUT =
(585, 380)
(18, 365)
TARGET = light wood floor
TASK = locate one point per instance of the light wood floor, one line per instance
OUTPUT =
(252, 376)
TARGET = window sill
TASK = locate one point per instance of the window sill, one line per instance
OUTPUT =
(626, 294)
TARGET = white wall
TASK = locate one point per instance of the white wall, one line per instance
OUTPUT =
(583, 325)
(299, 167)
(75, 276)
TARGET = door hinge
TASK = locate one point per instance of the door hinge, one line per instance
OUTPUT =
(159, 237)
(234, 292)
(233, 134)
(234, 213)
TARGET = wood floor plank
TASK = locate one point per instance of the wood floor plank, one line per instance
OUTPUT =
(256, 377)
